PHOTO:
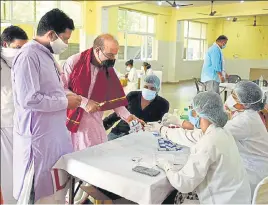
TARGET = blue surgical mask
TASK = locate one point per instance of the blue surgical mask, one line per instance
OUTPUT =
(223, 46)
(194, 120)
(148, 94)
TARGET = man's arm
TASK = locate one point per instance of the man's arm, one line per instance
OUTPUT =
(27, 86)
(68, 66)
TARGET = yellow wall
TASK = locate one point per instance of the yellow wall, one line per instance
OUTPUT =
(246, 42)
(241, 36)
(113, 16)
(224, 10)
(29, 29)
(166, 20)
(162, 20)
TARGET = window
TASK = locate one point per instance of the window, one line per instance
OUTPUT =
(74, 10)
(23, 11)
(195, 40)
(5, 10)
(73, 48)
(44, 6)
(30, 12)
(136, 35)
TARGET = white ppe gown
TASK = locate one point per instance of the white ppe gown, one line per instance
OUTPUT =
(251, 138)
(7, 111)
(210, 167)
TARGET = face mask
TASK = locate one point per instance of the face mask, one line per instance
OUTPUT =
(194, 120)
(223, 46)
(58, 46)
(148, 94)
(108, 63)
(230, 103)
(8, 54)
(128, 68)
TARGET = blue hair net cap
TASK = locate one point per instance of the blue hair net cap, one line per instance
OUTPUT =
(153, 80)
(250, 95)
(209, 106)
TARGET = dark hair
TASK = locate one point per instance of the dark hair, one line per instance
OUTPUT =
(130, 62)
(222, 37)
(55, 20)
(12, 33)
(147, 65)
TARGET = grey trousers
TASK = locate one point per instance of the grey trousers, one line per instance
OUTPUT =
(212, 86)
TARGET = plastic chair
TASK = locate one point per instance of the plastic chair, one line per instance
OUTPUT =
(200, 87)
(261, 192)
(234, 79)
(265, 83)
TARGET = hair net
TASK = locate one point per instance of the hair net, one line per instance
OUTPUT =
(250, 95)
(153, 80)
(209, 106)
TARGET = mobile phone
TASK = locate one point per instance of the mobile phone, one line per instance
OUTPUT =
(147, 171)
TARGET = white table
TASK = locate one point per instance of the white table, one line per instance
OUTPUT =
(230, 86)
(109, 166)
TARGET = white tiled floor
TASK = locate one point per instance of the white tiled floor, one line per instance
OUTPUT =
(179, 95)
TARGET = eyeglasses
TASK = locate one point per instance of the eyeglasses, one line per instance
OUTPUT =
(109, 55)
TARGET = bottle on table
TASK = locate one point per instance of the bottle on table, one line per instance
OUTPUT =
(184, 115)
(261, 82)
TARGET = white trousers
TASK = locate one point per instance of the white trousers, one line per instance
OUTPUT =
(7, 165)
(26, 192)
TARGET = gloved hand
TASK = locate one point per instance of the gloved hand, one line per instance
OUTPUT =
(171, 119)
(153, 127)
(164, 164)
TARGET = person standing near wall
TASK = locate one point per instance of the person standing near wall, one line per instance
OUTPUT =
(213, 68)
(12, 39)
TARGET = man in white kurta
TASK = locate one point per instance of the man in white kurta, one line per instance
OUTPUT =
(13, 38)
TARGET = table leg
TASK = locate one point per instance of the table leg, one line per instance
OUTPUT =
(71, 191)
(225, 95)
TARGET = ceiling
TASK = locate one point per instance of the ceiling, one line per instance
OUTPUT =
(195, 3)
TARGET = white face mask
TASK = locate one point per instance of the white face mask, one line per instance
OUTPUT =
(58, 46)
(148, 94)
(128, 68)
(8, 54)
(230, 103)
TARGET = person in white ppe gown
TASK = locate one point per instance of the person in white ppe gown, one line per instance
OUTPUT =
(214, 168)
(12, 39)
(248, 129)
(132, 77)
(146, 69)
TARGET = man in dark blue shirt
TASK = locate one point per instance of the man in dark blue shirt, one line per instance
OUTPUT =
(146, 105)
